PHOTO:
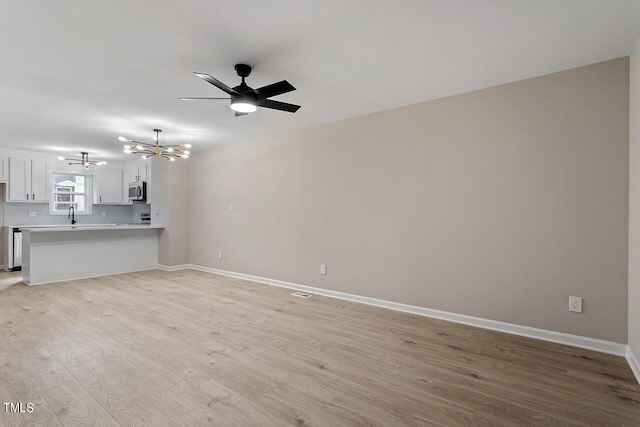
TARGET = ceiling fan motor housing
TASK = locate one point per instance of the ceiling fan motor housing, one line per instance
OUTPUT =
(243, 70)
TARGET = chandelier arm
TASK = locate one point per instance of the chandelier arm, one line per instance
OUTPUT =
(141, 143)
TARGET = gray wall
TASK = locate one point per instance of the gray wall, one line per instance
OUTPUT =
(170, 208)
(498, 203)
(634, 205)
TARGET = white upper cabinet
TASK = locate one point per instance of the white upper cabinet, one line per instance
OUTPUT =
(18, 191)
(39, 181)
(4, 168)
(109, 186)
(28, 180)
(139, 170)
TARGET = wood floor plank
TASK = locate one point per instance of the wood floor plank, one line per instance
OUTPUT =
(191, 348)
(74, 406)
(122, 402)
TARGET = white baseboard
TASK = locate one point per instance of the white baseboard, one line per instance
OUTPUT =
(633, 363)
(87, 277)
(526, 331)
(173, 267)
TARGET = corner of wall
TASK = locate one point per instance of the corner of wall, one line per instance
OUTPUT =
(634, 210)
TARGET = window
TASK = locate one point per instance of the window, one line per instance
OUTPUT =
(70, 190)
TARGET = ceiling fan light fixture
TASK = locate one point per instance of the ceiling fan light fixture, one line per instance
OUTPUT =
(245, 99)
(243, 106)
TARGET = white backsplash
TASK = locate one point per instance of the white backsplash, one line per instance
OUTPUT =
(18, 214)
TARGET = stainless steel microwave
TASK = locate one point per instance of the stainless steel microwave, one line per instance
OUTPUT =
(138, 191)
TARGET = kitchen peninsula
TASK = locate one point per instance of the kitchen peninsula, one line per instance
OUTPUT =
(58, 253)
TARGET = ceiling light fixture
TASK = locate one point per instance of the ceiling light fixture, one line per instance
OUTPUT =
(169, 152)
(84, 161)
(244, 103)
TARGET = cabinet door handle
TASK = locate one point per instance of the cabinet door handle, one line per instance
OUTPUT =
(100, 199)
(33, 196)
(27, 196)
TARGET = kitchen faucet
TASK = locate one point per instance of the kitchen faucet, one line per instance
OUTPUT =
(72, 215)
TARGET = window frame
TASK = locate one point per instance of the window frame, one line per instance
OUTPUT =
(88, 193)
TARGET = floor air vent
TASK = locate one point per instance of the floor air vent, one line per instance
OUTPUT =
(301, 295)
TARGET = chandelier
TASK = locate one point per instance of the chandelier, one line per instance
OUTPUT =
(84, 161)
(170, 152)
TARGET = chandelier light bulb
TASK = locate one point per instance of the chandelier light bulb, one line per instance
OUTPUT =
(60, 158)
(187, 152)
(126, 150)
(185, 156)
(170, 150)
(173, 159)
(187, 145)
(123, 139)
(139, 147)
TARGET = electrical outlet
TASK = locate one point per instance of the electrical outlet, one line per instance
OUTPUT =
(323, 269)
(104, 214)
(220, 255)
(33, 214)
(575, 304)
(230, 206)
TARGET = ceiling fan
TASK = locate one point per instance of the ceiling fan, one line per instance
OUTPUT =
(245, 99)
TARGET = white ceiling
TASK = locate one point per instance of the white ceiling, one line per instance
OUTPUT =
(76, 74)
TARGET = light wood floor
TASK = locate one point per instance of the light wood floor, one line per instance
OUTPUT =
(189, 349)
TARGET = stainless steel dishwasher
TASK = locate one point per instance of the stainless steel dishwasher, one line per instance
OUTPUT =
(17, 250)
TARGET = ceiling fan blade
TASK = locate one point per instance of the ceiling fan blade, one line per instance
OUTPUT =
(217, 83)
(240, 114)
(274, 89)
(277, 105)
(196, 99)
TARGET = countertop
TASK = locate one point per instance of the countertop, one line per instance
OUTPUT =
(87, 227)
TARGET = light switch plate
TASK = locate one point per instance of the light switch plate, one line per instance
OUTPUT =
(33, 214)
